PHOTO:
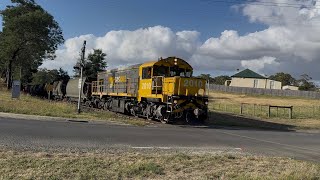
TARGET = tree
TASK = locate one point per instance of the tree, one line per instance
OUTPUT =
(305, 83)
(30, 35)
(95, 63)
(44, 76)
(284, 78)
(63, 75)
(220, 80)
(1, 59)
(206, 77)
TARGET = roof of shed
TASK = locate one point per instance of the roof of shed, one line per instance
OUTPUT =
(247, 73)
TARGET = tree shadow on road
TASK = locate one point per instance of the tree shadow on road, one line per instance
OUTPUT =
(218, 120)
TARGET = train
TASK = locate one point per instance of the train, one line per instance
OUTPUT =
(163, 90)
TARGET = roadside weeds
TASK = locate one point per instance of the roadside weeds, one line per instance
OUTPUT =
(137, 165)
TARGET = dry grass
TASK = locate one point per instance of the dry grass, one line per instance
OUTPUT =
(134, 165)
(220, 97)
(306, 112)
(35, 106)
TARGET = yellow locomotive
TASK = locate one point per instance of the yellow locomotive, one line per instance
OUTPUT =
(164, 90)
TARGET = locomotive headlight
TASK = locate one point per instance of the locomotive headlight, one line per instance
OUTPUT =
(206, 102)
(175, 61)
(175, 101)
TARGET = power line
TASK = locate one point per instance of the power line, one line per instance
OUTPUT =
(259, 3)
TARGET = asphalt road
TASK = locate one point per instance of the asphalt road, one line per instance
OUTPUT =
(53, 134)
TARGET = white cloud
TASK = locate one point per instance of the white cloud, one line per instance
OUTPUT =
(258, 64)
(129, 47)
(290, 43)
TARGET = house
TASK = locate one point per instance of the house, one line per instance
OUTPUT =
(248, 78)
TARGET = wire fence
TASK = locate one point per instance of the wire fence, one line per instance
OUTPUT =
(268, 111)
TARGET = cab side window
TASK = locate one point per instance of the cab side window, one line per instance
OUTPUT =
(146, 73)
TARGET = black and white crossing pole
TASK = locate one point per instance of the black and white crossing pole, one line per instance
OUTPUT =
(81, 64)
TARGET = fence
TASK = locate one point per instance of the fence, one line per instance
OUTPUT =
(267, 111)
(270, 92)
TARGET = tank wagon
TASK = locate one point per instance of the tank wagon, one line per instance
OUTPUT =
(72, 89)
(164, 90)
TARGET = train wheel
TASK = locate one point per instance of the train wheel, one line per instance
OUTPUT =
(133, 113)
(165, 119)
(189, 117)
(88, 103)
(149, 117)
(105, 106)
(149, 113)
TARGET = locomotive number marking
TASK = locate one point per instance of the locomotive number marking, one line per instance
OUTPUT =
(146, 86)
(192, 83)
(120, 79)
(117, 79)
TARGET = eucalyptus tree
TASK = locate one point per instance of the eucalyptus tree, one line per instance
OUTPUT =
(30, 35)
(95, 63)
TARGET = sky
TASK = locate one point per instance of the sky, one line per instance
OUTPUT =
(214, 36)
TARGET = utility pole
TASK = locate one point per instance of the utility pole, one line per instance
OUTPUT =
(81, 64)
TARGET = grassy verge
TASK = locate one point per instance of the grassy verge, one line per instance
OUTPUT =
(220, 102)
(34, 106)
(28, 165)
(306, 112)
(222, 97)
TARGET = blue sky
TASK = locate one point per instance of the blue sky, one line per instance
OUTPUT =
(215, 36)
(210, 18)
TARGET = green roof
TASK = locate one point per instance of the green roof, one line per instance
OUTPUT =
(247, 73)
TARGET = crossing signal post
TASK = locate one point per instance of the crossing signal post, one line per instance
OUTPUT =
(80, 67)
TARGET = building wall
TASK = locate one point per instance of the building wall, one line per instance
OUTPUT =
(255, 83)
(290, 88)
(276, 84)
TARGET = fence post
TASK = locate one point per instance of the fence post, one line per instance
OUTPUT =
(290, 112)
(269, 111)
(241, 108)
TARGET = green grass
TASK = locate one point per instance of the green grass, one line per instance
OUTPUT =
(135, 165)
(35, 106)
